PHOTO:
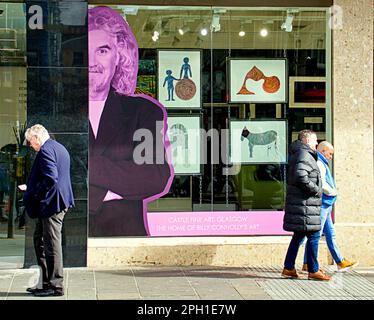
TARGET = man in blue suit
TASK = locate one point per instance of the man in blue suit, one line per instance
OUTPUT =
(47, 198)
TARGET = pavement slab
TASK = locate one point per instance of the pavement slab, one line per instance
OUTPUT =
(192, 283)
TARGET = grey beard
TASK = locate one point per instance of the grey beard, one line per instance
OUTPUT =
(96, 87)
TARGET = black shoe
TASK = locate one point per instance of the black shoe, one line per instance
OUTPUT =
(34, 289)
(48, 292)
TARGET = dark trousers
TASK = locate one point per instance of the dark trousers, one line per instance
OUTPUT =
(48, 249)
(312, 250)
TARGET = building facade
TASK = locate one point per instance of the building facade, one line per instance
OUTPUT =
(225, 203)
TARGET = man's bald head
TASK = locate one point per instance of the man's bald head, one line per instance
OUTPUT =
(327, 149)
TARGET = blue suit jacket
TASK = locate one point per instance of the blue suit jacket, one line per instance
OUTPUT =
(49, 188)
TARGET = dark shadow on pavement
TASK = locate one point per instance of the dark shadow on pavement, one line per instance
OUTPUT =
(226, 273)
(16, 294)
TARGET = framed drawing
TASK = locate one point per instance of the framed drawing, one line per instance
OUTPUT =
(185, 141)
(307, 92)
(146, 84)
(146, 80)
(179, 78)
(258, 80)
(258, 141)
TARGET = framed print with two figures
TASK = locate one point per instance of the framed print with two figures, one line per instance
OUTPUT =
(179, 78)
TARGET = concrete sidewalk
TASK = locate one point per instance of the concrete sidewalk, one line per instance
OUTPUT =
(192, 283)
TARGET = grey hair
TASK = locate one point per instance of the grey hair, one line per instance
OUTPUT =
(38, 131)
(306, 133)
(325, 144)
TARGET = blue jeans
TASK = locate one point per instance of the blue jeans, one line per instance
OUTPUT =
(329, 232)
(312, 244)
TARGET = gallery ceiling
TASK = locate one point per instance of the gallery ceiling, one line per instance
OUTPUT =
(308, 28)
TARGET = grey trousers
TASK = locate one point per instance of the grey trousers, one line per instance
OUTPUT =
(48, 250)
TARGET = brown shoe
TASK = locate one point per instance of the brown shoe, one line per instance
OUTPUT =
(291, 274)
(319, 276)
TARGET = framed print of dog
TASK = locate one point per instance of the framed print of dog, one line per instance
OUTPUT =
(258, 141)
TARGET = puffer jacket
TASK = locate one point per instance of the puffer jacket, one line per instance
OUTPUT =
(304, 190)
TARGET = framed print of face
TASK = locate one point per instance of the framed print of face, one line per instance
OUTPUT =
(185, 141)
(258, 80)
(179, 78)
(258, 141)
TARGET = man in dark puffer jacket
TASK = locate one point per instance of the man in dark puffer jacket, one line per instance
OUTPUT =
(303, 203)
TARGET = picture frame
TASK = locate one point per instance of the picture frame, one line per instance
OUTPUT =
(179, 78)
(307, 92)
(254, 80)
(146, 78)
(258, 141)
(185, 141)
(146, 84)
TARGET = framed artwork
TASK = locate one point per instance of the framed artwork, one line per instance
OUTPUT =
(258, 80)
(258, 141)
(146, 80)
(307, 92)
(146, 84)
(185, 141)
(179, 78)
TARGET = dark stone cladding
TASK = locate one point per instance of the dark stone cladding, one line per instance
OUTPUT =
(57, 97)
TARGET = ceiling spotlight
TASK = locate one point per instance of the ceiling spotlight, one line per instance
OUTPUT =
(157, 30)
(155, 36)
(204, 31)
(215, 26)
(183, 30)
(287, 25)
(264, 32)
(241, 30)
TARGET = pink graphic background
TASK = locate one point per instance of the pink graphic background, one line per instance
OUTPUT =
(216, 223)
(205, 223)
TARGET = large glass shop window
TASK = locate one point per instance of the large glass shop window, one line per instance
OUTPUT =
(237, 85)
(13, 152)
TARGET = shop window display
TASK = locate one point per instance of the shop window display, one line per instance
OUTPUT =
(198, 85)
(13, 153)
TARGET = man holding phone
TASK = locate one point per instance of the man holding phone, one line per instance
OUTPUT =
(48, 195)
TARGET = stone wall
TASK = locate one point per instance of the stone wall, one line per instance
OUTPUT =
(352, 76)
